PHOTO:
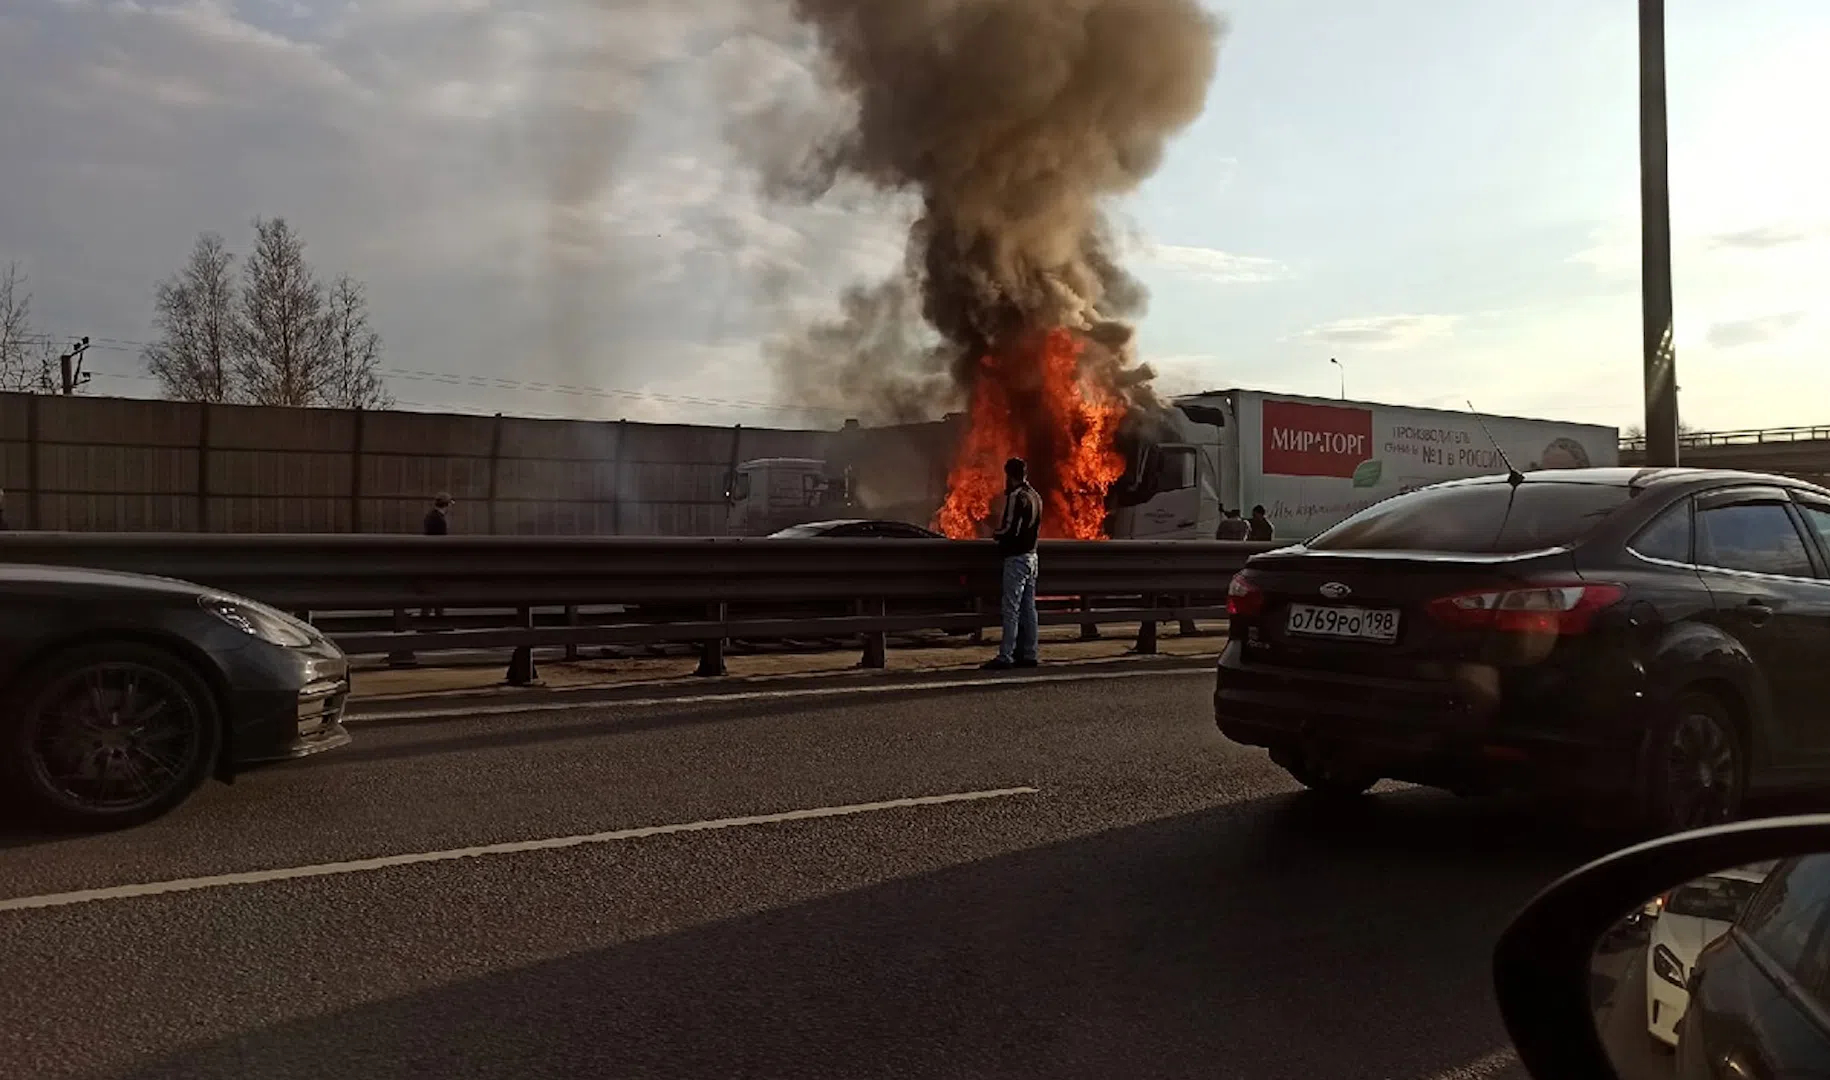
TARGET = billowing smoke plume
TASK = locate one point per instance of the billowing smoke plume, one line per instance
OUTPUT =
(1012, 121)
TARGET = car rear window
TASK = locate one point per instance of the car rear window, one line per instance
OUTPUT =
(1478, 518)
(1718, 898)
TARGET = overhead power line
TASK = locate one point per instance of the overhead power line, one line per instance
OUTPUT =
(491, 382)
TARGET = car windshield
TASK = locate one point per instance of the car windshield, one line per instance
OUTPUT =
(1490, 518)
(1719, 898)
(797, 530)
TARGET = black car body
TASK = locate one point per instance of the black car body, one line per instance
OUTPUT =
(1760, 994)
(129, 682)
(856, 528)
(1582, 630)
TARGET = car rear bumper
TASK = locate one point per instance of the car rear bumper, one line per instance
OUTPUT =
(1438, 733)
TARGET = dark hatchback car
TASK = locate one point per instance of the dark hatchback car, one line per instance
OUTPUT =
(1760, 994)
(122, 693)
(856, 528)
(1658, 640)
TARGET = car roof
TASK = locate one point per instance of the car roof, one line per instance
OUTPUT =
(1644, 478)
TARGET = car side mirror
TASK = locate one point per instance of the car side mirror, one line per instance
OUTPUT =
(1580, 970)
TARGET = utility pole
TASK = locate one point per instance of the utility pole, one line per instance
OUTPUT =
(1659, 351)
(72, 365)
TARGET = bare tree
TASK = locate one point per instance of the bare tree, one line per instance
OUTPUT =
(19, 345)
(199, 327)
(1636, 433)
(355, 380)
(283, 353)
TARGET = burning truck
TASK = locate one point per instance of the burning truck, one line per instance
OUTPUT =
(1164, 473)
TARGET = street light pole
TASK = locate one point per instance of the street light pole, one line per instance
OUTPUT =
(1659, 353)
(1343, 370)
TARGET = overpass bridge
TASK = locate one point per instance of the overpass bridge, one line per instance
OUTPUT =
(1803, 452)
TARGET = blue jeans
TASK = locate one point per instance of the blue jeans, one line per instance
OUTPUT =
(1019, 608)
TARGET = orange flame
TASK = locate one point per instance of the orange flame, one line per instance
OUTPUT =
(1031, 400)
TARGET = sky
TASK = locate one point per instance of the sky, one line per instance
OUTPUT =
(543, 198)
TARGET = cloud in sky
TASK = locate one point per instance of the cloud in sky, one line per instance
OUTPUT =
(1382, 332)
(1211, 264)
(546, 191)
(1739, 332)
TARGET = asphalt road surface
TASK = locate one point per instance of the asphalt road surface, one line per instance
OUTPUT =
(1122, 894)
(1620, 1016)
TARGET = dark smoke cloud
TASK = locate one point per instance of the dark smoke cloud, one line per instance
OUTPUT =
(1014, 121)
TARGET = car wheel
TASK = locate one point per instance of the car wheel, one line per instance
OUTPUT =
(107, 736)
(1699, 772)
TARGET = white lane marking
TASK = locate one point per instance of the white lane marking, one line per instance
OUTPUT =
(759, 695)
(362, 866)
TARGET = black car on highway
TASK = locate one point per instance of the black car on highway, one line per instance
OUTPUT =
(122, 693)
(854, 528)
(1653, 639)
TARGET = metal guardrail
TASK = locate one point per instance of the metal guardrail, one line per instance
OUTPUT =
(1748, 437)
(704, 590)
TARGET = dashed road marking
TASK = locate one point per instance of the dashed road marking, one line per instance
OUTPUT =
(384, 862)
(460, 711)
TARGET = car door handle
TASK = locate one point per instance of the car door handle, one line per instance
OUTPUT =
(1759, 611)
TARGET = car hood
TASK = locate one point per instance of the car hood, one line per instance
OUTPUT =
(82, 577)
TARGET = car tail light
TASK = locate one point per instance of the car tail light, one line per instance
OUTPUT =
(1243, 596)
(1541, 609)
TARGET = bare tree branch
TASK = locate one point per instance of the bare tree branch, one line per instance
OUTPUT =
(19, 344)
(355, 368)
(283, 353)
(199, 326)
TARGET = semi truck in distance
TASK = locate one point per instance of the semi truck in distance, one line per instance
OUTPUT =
(1310, 462)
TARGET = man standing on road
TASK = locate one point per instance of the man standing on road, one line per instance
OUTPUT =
(1232, 526)
(1259, 528)
(437, 524)
(1016, 537)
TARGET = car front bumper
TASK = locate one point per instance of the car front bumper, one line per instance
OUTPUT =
(289, 705)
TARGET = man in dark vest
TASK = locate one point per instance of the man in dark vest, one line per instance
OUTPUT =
(1259, 528)
(437, 521)
(1018, 529)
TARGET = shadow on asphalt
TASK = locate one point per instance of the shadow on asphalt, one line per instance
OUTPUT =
(1302, 941)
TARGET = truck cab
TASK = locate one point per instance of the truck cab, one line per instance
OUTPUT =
(768, 494)
(1178, 476)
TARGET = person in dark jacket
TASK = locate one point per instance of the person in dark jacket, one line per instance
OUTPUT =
(1232, 527)
(437, 521)
(1018, 529)
(1259, 528)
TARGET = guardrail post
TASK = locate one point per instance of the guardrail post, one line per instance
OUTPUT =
(711, 650)
(1088, 631)
(405, 658)
(521, 669)
(1188, 627)
(875, 644)
(1146, 631)
(978, 632)
(571, 620)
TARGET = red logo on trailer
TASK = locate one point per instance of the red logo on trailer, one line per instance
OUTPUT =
(1301, 439)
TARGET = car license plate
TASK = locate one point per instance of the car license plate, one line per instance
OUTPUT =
(1351, 623)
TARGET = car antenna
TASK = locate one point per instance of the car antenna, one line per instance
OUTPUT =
(1513, 476)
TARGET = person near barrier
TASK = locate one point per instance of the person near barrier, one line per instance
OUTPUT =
(1018, 529)
(1259, 527)
(1232, 526)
